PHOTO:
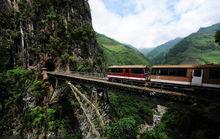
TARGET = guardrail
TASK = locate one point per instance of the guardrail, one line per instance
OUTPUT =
(96, 75)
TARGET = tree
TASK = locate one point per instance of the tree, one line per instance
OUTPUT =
(217, 37)
(125, 128)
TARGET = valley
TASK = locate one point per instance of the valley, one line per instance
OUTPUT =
(39, 38)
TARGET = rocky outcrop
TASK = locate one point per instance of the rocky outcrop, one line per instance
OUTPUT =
(56, 31)
(159, 111)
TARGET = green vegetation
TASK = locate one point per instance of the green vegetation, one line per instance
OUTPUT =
(196, 121)
(158, 54)
(37, 31)
(24, 107)
(159, 132)
(192, 122)
(117, 53)
(199, 47)
(181, 121)
(217, 37)
(125, 128)
(127, 113)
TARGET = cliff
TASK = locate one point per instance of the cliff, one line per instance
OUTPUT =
(56, 34)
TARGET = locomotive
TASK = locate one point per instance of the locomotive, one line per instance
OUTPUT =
(134, 74)
(193, 76)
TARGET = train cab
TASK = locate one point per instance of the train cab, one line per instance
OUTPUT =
(132, 74)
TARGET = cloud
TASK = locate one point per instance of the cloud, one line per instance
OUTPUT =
(148, 23)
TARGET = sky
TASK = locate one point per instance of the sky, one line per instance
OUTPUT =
(149, 23)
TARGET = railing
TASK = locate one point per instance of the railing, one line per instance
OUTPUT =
(93, 75)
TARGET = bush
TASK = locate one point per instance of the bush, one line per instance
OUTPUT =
(38, 89)
(157, 133)
(123, 106)
(125, 128)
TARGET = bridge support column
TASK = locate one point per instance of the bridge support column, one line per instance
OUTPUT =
(104, 104)
(44, 73)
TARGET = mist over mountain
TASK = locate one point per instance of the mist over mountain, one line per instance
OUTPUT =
(145, 51)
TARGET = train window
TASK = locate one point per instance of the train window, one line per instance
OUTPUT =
(181, 72)
(113, 70)
(197, 73)
(126, 70)
(164, 72)
(118, 70)
(137, 71)
(214, 73)
(172, 72)
(169, 72)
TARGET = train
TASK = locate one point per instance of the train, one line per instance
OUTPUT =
(186, 76)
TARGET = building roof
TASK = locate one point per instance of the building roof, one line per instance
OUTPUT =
(188, 66)
(128, 66)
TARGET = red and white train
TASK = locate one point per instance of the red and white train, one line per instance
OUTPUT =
(200, 76)
(134, 74)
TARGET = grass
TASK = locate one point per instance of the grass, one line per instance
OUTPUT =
(117, 53)
(197, 48)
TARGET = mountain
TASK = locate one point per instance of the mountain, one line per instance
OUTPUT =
(117, 53)
(197, 48)
(53, 34)
(157, 54)
(60, 40)
(145, 51)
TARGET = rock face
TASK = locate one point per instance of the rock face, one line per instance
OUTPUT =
(56, 34)
(159, 112)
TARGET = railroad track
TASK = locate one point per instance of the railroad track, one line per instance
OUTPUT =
(103, 82)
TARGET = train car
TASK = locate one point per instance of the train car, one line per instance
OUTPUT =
(202, 76)
(132, 74)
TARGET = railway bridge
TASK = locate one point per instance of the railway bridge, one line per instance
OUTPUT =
(91, 92)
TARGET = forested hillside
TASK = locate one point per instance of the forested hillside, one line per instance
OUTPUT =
(117, 53)
(60, 32)
(58, 35)
(199, 47)
(158, 54)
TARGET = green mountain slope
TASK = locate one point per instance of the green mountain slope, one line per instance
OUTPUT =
(197, 48)
(157, 54)
(117, 53)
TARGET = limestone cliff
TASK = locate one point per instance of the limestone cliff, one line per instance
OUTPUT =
(57, 34)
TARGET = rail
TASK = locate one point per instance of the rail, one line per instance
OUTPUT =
(90, 74)
(102, 82)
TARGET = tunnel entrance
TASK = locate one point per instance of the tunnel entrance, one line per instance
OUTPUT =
(49, 64)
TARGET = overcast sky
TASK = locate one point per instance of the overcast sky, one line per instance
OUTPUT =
(148, 23)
